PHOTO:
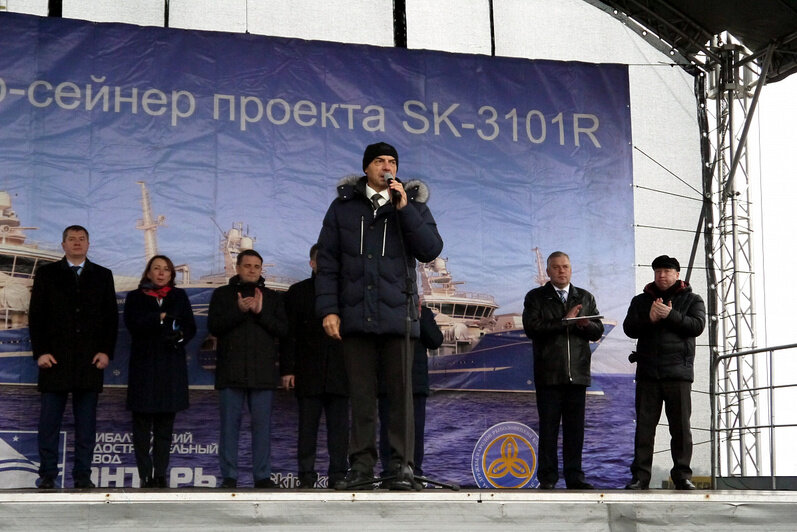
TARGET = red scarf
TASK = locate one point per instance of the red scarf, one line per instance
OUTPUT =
(160, 293)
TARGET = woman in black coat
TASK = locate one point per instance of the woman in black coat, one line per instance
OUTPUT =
(161, 323)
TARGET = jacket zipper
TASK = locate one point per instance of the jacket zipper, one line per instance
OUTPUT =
(362, 233)
(384, 237)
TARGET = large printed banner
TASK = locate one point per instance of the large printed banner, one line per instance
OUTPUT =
(198, 144)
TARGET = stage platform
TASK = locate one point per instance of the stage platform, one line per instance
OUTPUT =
(431, 509)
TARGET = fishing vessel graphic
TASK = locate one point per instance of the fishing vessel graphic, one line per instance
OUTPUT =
(201, 351)
(20, 258)
(481, 350)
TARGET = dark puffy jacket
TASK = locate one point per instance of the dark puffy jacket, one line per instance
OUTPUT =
(561, 352)
(361, 270)
(158, 376)
(246, 354)
(665, 350)
(313, 357)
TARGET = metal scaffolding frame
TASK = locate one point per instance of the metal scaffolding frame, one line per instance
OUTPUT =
(734, 87)
(728, 82)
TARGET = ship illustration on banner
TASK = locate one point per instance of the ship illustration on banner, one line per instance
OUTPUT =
(482, 350)
(19, 260)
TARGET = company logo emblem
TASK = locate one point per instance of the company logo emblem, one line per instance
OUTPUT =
(19, 455)
(506, 457)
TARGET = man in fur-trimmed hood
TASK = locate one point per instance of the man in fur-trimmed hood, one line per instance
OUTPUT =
(373, 233)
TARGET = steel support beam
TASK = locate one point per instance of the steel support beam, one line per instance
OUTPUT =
(736, 400)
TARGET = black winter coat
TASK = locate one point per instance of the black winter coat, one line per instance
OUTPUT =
(72, 319)
(361, 268)
(308, 353)
(158, 376)
(246, 353)
(561, 352)
(431, 338)
(666, 349)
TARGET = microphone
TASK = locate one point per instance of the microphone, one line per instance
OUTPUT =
(395, 195)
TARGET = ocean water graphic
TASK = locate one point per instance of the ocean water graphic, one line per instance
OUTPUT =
(455, 421)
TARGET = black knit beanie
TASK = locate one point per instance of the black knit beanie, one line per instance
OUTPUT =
(375, 150)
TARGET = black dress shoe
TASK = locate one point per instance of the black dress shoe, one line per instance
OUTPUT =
(334, 479)
(84, 484)
(637, 485)
(405, 482)
(401, 480)
(265, 484)
(159, 482)
(308, 480)
(356, 480)
(580, 485)
(229, 484)
(46, 483)
(547, 485)
(685, 484)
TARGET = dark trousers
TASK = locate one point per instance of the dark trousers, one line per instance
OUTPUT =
(677, 399)
(419, 414)
(336, 413)
(159, 426)
(563, 403)
(84, 410)
(365, 357)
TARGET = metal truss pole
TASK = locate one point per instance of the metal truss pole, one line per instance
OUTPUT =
(731, 259)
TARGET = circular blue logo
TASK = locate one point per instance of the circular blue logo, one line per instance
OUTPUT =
(506, 457)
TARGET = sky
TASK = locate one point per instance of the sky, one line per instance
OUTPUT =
(776, 253)
(777, 117)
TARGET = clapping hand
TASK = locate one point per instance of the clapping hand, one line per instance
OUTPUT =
(659, 311)
(251, 304)
(573, 312)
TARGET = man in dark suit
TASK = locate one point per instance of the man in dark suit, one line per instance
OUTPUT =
(73, 328)
(562, 357)
(312, 362)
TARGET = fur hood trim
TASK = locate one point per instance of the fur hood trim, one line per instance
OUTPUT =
(416, 189)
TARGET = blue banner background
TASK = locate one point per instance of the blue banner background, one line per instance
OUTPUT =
(67, 159)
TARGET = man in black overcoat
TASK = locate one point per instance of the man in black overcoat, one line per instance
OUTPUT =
(312, 362)
(73, 327)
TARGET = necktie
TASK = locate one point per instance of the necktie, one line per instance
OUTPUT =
(562, 295)
(375, 201)
(76, 270)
